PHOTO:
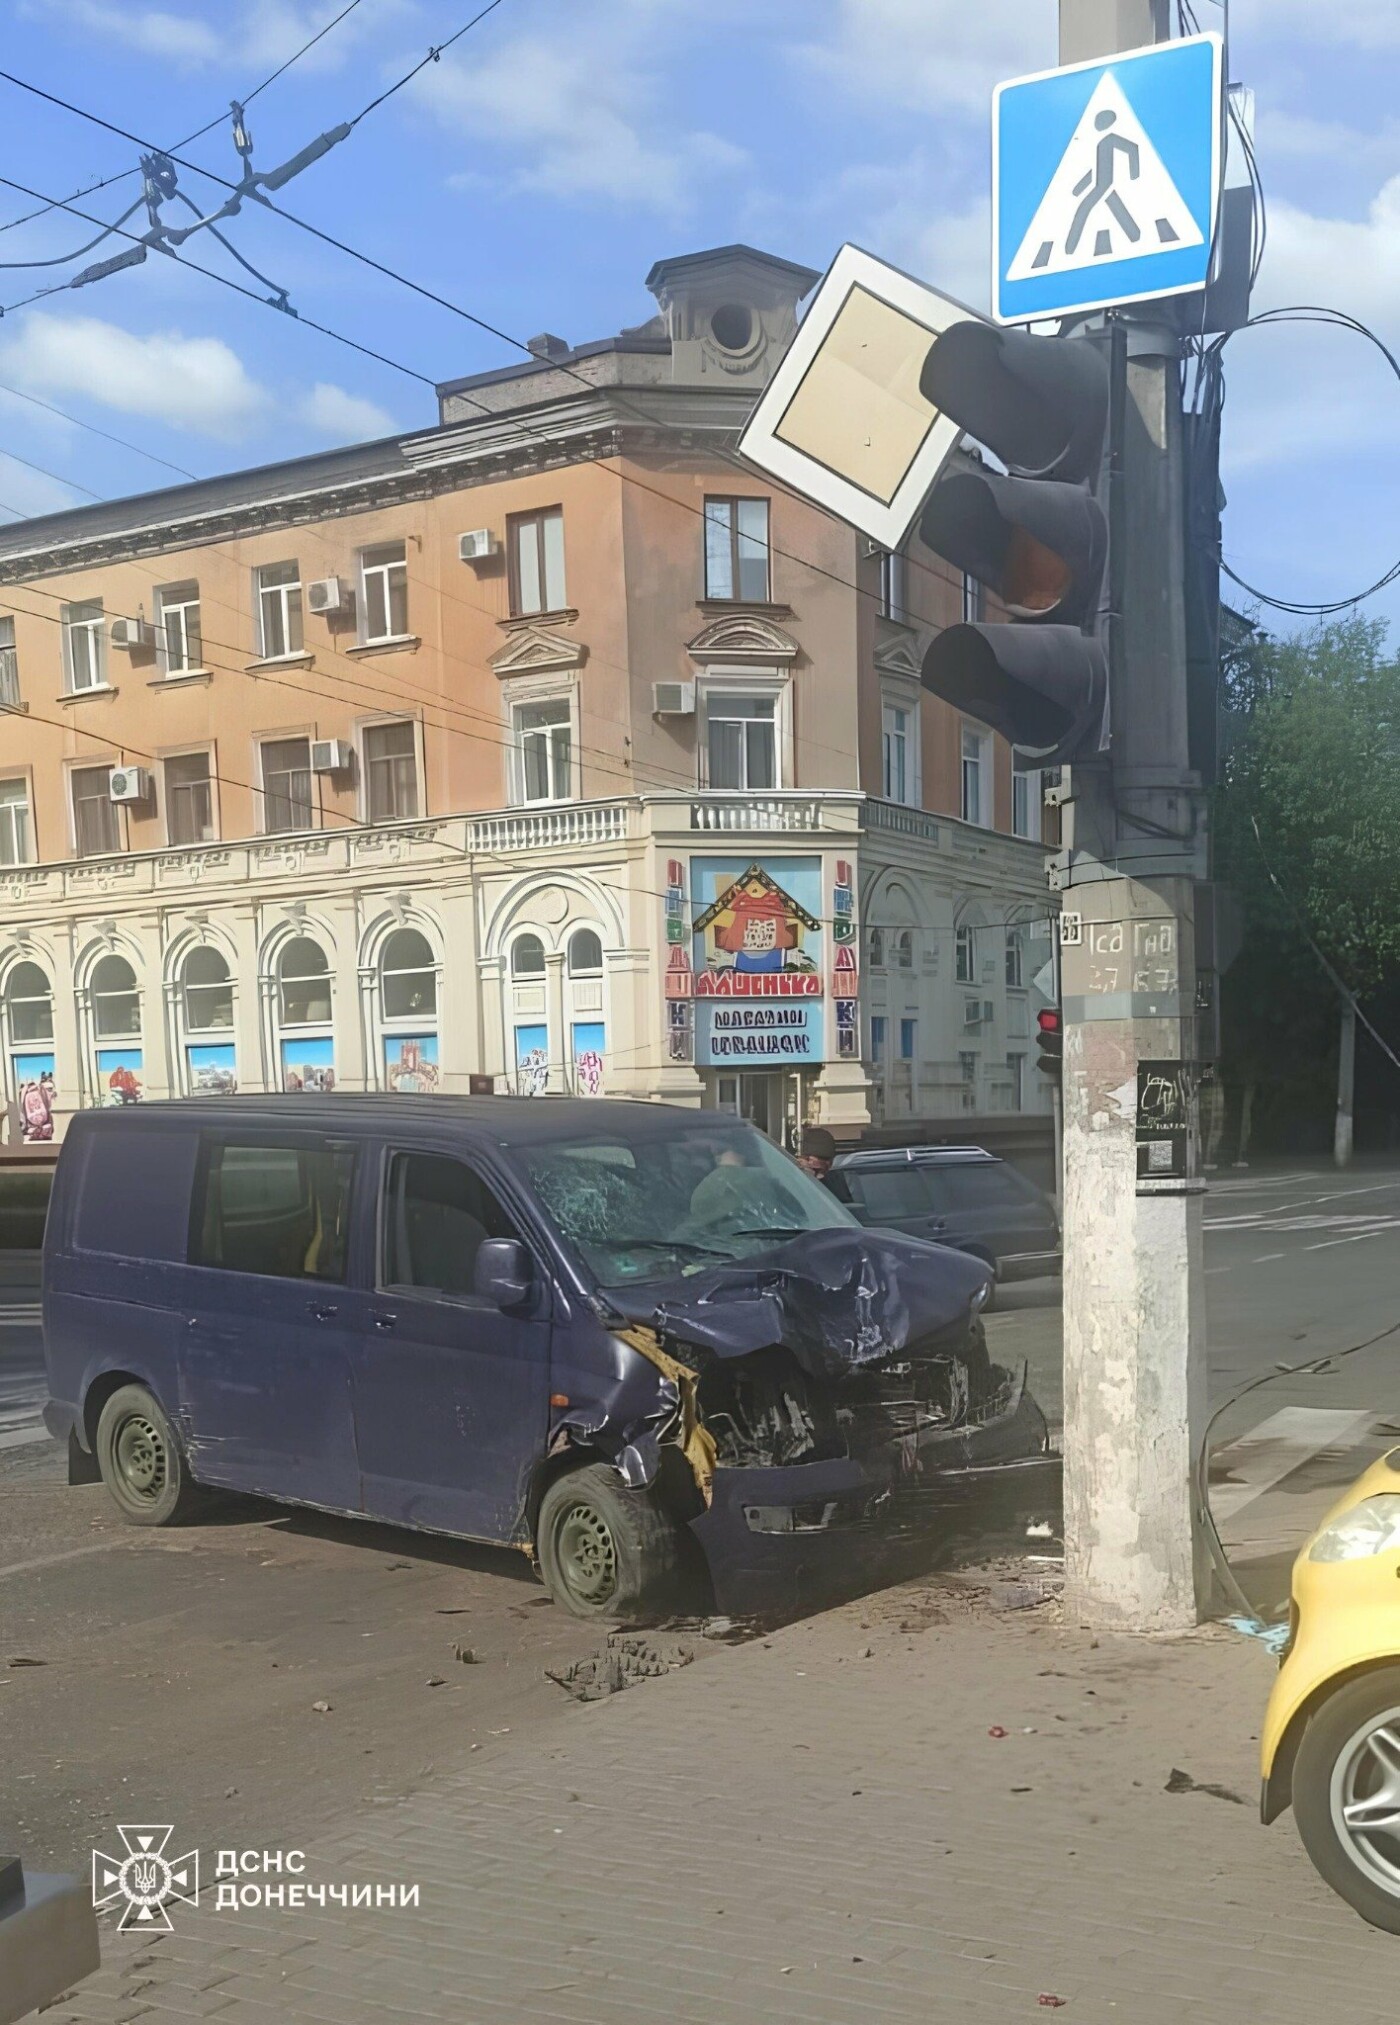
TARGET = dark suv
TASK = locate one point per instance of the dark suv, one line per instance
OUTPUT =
(954, 1195)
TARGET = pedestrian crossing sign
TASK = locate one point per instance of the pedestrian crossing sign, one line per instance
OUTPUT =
(1106, 180)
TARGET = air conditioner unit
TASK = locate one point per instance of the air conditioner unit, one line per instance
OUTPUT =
(328, 594)
(130, 633)
(331, 755)
(978, 1012)
(478, 546)
(129, 784)
(673, 699)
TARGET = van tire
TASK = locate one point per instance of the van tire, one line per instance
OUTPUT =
(606, 1551)
(1331, 1732)
(142, 1462)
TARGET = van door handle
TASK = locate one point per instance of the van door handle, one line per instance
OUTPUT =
(386, 1322)
(323, 1312)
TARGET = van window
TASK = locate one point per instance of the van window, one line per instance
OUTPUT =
(282, 1210)
(438, 1216)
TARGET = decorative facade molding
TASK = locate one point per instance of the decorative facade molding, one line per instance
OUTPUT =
(538, 650)
(745, 636)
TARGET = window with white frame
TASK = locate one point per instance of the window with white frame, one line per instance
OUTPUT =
(544, 743)
(976, 776)
(179, 642)
(28, 1004)
(383, 593)
(965, 971)
(116, 1000)
(1027, 793)
(16, 829)
(1016, 1069)
(408, 979)
(877, 949)
(902, 949)
(189, 799)
(741, 741)
(279, 610)
(736, 550)
(391, 772)
(96, 827)
(1016, 956)
(304, 1000)
(878, 1030)
(288, 785)
(206, 991)
(536, 545)
(84, 646)
(908, 1039)
(901, 754)
(893, 600)
(9, 665)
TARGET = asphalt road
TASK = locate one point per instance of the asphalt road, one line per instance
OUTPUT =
(180, 1671)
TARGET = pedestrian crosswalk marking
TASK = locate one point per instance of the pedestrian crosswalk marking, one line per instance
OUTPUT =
(1277, 1447)
(1111, 197)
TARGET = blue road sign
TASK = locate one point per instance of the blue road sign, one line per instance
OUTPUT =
(1106, 180)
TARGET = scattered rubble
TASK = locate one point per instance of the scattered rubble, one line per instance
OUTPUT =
(625, 1659)
(1182, 1782)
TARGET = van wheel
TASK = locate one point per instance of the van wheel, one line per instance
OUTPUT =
(142, 1463)
(1346, 1795)
(606, 1551)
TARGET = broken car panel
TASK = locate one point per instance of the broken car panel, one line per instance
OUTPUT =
(610, 1333)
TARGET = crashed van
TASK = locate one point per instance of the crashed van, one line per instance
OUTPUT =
(637, 1342)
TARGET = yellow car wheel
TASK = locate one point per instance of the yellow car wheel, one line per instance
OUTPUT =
(1346, 1795)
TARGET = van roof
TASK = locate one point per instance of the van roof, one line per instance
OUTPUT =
(521, 1119)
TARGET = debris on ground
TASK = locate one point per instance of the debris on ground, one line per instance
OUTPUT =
(625, 1659)
(435, 1680)
(996, 1731)
(322, 1708)
(467, 1655)
(20, 1660)
(1182, 1782)
(1050, 2002)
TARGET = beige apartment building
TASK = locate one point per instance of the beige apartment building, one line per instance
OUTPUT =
(546, 744)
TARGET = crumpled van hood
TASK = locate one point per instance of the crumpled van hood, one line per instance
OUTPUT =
(837, 1299)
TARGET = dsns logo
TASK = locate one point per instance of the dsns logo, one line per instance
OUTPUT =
(145, 1877)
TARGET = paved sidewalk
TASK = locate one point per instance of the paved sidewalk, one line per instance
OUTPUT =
(817, 1827)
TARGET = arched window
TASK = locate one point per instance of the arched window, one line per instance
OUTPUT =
(306, 1042)
(206, 1019)
(966, 959)
(28, 1035)
(585, 954)
(408, 1010)
(877, 949)
(1016, 955)
(115, 1000)
(904, 948)
(527, 957)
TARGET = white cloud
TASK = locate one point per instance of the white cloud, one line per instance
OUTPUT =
(196, 383)
(577, 121)
(933, 56)
(261, 34)
(342, 417)
(175, 38)
(1362, 24)
(27, 492)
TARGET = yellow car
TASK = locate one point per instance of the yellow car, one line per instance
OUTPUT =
(1331, 1739)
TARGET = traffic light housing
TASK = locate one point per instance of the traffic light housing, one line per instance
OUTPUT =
(1036, 536)
(1050, 1040)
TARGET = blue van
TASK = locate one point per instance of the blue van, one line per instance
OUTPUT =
(636, 1341)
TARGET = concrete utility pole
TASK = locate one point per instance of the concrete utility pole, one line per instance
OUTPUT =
(1134, 1324)
(1346, 1085)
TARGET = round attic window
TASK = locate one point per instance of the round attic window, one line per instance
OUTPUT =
(732, 325)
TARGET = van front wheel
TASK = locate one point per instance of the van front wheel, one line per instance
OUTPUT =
(606, 1551)
(141, 1461)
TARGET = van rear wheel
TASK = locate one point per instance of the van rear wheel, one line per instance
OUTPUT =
(142, 1463)
(606, 1551)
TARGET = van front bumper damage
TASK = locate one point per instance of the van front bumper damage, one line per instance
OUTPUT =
(797, 1534)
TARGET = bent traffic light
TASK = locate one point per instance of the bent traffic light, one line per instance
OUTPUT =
(1050, 1040)
(1035, 537)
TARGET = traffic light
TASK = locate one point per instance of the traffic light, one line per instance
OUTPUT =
(1050, 1040)
(1037, 537)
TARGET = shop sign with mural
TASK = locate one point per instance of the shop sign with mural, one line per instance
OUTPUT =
(309, 1065)
(120, 1076)
(531, 1061)
(36, 1091)
(758, 987)
(213, 1069)
(411, 1062)
(590, 1043)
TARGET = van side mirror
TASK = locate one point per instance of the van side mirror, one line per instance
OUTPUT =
(502, 1274)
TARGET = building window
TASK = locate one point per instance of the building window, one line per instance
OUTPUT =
(189, 799)
(1027, 794)
(908, 1039)
(288, 786)
(1016, 1066)
(967, 1066)
(179, 643)
(384, 593)
(28, 1005)
(974, 600)
(544, 741)
(741, 741)
(965, 971)
(900, 727)
(877, 949)
(976, 777)
(206, 991)
(585, 954)
(307, 1047)
(15, 827)
(893, 601)
(96, 830)
(1016, 957)
(736, 550)
(408, 977)
(527, 957)
(116, 1001)
(279, 610)
(84, 646)
(902, 949)
(9, 666)
(391, 772)
(536, 543)
(878, 1027)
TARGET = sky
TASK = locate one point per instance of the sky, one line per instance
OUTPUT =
(534, 173)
